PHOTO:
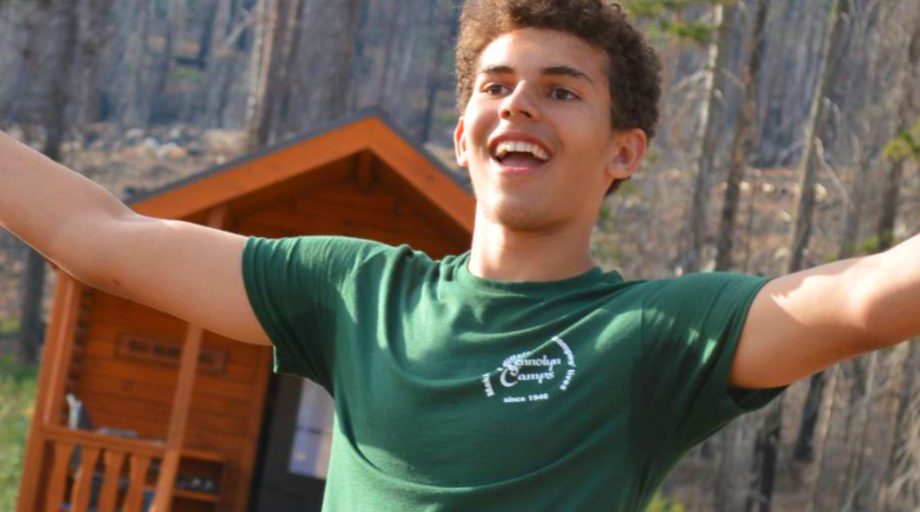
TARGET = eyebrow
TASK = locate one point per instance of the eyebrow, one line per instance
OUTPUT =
(501, 69)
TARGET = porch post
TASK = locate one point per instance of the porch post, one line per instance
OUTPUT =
(55, 364)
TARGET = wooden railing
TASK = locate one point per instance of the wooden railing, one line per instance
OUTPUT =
(70, 485)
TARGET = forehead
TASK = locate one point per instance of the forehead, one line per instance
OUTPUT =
(531, 48)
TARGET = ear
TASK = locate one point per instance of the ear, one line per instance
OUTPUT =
(460, 144)
(629, 147)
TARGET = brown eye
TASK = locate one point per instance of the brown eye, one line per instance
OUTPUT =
(494, 89)
(560, 93)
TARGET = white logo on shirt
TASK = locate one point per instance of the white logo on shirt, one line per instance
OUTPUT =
(539, 373)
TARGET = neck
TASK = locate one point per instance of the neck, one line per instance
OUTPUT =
(503, 254)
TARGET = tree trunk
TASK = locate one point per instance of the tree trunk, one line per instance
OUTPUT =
(900, 459)
(341, 81)
(723, 18)
(281, 105)
(218, 82)
(744, 139)
(207, 34)
(822, 447)
(810, 161)
(857, 477)
(447, 33)
(757, 182)
(387, 51)
(360, 53)
(327, 50)
(175, 27)
(134, 104)
(804, 445)
(808, 171)
(907, 113)
(95, 31)
(31, 328)
(265, 19)
(270, 47)
(890, 203)
(731, 487)
(854, 209)
(766, 448)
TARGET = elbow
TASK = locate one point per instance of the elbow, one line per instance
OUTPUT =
(87, 249)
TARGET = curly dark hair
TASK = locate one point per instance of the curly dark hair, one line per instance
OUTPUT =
(634, 72)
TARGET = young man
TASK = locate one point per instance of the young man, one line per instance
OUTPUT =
(517, 376)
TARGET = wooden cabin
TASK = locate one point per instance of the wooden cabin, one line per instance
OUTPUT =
(138, 410)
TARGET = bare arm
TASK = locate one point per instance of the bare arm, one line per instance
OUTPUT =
(802, 323)
(190, 271)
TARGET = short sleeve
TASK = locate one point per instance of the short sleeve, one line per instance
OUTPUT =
(691, 328)
(299, 289)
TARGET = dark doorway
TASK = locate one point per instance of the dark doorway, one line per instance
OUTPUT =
(296, 452)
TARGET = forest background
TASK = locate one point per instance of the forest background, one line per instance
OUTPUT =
(789, 138)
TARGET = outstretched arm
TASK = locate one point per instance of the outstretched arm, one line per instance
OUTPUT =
(802, 323)
(190, 271)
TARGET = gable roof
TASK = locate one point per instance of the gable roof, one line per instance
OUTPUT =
(365, 131)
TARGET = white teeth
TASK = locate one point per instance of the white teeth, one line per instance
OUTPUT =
(506, 147)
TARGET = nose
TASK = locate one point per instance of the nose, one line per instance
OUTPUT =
(520, 103)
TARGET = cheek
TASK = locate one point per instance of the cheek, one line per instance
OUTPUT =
(591, 136)
(477, 142)
(480, 115)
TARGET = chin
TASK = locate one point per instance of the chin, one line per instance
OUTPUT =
(523, 214)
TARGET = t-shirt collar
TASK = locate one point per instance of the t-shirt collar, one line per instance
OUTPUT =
(594, 276)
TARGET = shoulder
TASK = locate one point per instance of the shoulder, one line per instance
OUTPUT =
(329, 249)
(691, 287)
(696, 299)
(316, 245)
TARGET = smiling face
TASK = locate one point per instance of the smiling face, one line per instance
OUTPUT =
(536, 134)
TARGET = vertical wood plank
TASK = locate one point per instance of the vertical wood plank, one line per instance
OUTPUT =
(108, 495)
(83, 487)
(63, 319)
(182, 400)
(57, 487)
(136, 483)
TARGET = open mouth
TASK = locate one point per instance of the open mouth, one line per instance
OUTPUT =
(519, 156)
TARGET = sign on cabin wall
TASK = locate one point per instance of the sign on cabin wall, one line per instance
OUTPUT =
(133, 346)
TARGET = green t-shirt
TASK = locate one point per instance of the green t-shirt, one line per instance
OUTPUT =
(456, 393)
